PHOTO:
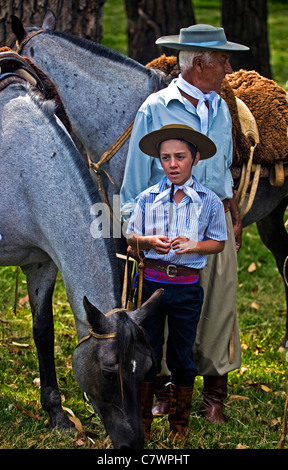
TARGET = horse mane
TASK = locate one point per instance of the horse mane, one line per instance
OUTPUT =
(128, 335)
(158, 77)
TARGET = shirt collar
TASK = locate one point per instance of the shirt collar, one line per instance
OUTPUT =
(173, 93)
(161, 186)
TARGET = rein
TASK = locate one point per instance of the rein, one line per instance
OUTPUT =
(96, 167)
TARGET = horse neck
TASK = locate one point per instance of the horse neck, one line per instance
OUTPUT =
(56, 195)
(109, 86)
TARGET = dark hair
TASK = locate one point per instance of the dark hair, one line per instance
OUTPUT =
(191, 147)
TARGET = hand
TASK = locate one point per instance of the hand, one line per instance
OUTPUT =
(160, 244)
(183, 245)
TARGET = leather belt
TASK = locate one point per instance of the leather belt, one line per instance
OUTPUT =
(226, 204)
(171, 270)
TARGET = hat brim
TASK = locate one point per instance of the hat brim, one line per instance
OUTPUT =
(173, 43)
(149, 144)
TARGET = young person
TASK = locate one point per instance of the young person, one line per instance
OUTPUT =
(177, 223)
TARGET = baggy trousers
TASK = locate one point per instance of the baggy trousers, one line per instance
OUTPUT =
(217, 348)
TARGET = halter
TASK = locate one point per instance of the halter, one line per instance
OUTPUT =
(24, 42)
(93, 334)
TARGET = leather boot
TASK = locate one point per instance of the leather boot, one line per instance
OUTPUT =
(180, 410)
(147, 395)
(162, 392)
(214, 394)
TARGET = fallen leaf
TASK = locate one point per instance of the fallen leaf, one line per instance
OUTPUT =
(255, 306)
(27, 412)
(252, 268)
(23, 300)
(37, 382)
(242, 446)
(275, 422)
(79, 442)
(77, 422)
(21, 345)
(238, 397)
(265, 388)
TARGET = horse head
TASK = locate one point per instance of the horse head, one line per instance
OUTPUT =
(110, 365)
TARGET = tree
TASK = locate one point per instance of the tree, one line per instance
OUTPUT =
(82, 18)
(150, 19)
(245, 21)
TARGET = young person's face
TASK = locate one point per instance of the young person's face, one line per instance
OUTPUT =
(176, 160)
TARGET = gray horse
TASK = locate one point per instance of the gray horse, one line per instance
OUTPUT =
(102, 91)
(45, 225)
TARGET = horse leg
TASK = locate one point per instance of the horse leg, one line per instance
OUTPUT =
(274, 235)
(41, 279)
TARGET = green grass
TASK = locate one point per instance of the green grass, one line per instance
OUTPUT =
(255, 405)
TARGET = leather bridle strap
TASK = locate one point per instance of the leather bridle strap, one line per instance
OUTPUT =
(24, 42)
(96, 335)
(93, 334)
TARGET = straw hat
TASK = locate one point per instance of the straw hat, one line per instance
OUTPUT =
(201, 37)
(149, 144)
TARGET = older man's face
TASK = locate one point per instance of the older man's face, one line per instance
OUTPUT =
(212, 74)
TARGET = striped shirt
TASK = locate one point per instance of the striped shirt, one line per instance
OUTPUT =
(194, 221)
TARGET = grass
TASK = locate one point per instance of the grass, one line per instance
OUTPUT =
(255, 405)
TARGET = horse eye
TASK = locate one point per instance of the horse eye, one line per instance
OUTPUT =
(109, 375)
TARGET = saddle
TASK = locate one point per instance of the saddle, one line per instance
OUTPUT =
(11, 64)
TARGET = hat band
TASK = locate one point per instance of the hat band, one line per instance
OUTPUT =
(205, 44)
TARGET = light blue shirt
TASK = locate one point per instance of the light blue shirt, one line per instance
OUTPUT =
(168, 106)
(197, 222)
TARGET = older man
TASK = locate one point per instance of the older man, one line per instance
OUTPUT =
(192, 99)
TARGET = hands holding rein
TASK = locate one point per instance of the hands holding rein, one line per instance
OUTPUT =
(182, 245)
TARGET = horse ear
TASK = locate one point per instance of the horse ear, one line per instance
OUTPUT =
(49, 21)
(148, 308)
(17, 28)
(96, 318)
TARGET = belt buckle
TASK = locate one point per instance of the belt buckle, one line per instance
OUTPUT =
(168, 270)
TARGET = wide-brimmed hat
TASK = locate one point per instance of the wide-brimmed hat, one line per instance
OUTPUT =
(149, 144)
(201, 37)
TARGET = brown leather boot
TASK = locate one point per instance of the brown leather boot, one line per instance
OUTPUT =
(180, 410)
(162, 392)
(214, 394)
(147, 395)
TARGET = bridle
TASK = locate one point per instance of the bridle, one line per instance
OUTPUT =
(20, 46)
(93, 334)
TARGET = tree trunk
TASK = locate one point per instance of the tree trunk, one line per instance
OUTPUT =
(150, 19)
(245, 21)
(82, 18)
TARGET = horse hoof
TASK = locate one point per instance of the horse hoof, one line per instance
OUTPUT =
(62, 423)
